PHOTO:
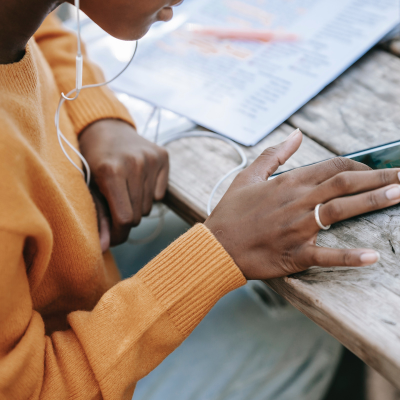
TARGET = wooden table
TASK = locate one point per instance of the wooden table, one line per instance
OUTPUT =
(359, 307)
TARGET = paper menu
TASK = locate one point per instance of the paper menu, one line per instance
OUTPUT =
(244, 90)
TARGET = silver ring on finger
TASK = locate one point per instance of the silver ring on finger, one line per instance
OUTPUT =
(318, 220)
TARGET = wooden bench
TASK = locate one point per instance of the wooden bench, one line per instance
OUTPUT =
(360, 307)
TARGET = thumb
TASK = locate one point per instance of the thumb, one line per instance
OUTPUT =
(272, 158)
(161, 183)
(103, 221)
(104, 232)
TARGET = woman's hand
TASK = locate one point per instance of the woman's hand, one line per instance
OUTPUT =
(128, 173)
(268, 226)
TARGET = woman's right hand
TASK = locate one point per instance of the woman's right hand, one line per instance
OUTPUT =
(268, 226)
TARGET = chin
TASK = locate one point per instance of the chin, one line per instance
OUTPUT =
(137, 34)
(128, 33)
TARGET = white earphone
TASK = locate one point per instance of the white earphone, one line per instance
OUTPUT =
(79, 59)
(78, 88)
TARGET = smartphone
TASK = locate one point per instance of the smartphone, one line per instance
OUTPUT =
(379, 157)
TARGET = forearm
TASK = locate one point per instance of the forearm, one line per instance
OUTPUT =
(143, 319)
(134, 326)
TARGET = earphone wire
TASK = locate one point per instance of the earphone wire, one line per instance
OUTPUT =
(156, 110)
(197, 133)
(77, 90)
(158, 126)
(79, 60)
(146, 125)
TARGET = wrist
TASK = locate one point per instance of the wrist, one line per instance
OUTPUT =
(106, 124)
(108, 129)
(220, 234)
(246, 258)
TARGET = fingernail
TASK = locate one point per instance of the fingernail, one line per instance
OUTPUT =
(393, 193)
(293, 134)
(398, 175)
(370, 257)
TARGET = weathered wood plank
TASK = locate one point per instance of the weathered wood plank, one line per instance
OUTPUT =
(359, 110)
(360, 307)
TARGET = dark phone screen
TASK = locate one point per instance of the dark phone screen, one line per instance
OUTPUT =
(376, 159)
(379, 159)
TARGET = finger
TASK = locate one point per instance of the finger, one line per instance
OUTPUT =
(347, 207)
(346, 183)
(105, 233)
(151, 171)
(322, 171)
(103, 220)
(136, 182)
(148, 194)
(161, 182)
(325, 257)
(270, 160)
(115, 190)
(104, 228)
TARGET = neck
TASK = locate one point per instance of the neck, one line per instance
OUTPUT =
(19, 20)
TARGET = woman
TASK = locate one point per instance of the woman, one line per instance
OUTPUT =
(69, 328)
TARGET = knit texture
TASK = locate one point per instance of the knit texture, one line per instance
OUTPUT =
(70, 329)
(92, 104)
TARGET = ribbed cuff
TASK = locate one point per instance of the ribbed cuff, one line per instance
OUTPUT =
(95, 104)
(190, 276)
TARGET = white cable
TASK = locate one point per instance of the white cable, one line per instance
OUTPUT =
(146, 125)
(198, 133)
(77, 90)
(79, 59)
(158, 126)
(61, 137)
(213, 136)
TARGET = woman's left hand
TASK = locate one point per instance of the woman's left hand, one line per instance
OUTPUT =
(128, 174)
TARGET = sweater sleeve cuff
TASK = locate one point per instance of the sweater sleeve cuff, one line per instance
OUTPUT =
(191, 276)
(95, 104)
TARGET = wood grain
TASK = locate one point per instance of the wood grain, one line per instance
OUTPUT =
(360, 307)
(360, 109)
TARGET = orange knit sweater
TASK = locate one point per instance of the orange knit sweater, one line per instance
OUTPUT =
(68, 328)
